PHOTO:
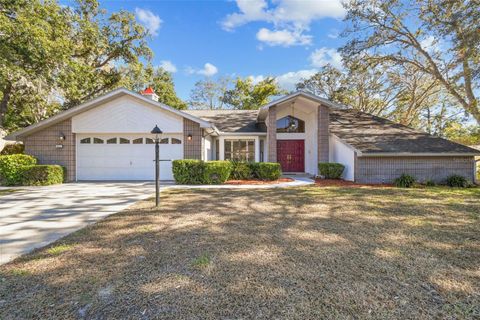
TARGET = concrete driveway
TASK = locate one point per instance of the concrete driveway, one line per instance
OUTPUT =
(32, 217)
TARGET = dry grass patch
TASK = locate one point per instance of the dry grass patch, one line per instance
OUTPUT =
(304, 253)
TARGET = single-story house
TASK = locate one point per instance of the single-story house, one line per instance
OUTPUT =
(108, 138)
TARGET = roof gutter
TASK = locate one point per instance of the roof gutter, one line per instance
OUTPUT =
(425, 154)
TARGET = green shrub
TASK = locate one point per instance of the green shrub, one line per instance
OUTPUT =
(41, 175)
(404, 181)
(188, 171)
(331, 170)
(10, 166)
(430, 183)
(267, 170)
(241, 170)
(16, 148)
(457, 181)
(216, 172)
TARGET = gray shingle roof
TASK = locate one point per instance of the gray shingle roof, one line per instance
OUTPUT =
(231, 120)
(371, 134)
(364, 132)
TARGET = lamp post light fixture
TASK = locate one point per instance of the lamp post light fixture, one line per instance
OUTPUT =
(157, 132)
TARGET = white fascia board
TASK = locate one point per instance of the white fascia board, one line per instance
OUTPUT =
(262, 112)
(93, 103)
(419, 154)
(242, 134)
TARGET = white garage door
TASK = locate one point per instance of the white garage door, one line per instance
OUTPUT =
(125, 157)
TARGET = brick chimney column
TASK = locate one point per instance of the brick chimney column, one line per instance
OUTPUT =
(272, 134)
(323, 133)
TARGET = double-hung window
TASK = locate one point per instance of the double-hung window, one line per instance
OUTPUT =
(240, 150)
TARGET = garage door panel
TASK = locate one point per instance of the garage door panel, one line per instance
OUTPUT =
(125, 161)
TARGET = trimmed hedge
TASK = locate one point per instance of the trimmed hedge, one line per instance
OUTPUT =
(266, 170)
(331, 170)
(216, 172)
(457, 181)
(41, 175)
(188, 171)
(241, 170)
(10, 167)
(404, 181)
(14, 148)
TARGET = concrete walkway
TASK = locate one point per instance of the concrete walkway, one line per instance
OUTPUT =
(32, 217)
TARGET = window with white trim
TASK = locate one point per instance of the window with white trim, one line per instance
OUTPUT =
(86, 140)
(240, 150)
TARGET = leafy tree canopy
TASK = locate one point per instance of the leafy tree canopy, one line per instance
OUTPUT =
(138, 77)
(438, 38)
(52, 55)
(249, 96)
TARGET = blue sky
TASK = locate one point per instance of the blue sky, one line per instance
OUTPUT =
(288, 39)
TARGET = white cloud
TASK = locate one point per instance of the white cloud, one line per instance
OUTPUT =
(323, 56)
(250, 10)
(150, 21)
(287, 80)
(283, 38)
(168, 66)
(208, 70)
(334, 33)
(256, 79)
(430, 44)
(287, 16)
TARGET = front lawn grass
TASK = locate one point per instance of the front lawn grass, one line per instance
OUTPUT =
(302, 253)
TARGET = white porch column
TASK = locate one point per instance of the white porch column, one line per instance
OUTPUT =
(221, 147)
(257, 149)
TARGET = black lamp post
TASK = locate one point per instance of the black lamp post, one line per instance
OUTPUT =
(156, 131)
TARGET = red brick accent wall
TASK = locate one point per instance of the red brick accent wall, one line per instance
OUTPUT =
(42, 145)
(386, 169)
(272, 134)
(192, 149)
(323, 133)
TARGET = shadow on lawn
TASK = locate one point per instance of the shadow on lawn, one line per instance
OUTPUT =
(283, 253)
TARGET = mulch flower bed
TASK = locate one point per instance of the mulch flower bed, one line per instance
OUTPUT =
(348, 184)
(254, 182)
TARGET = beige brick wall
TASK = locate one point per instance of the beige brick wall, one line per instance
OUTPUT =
(192, 149)
(386, 169)
(42, 145)
(323, 133)
(272, 134)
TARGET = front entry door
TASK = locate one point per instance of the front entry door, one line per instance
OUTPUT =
(291, 155)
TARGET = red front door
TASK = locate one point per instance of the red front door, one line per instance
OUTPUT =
(291, 155)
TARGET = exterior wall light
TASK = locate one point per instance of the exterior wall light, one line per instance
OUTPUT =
(61, 137)
(189, 137)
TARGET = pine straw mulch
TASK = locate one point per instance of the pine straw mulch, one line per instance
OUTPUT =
(258, 182)
(347, 184)
(297, 253)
